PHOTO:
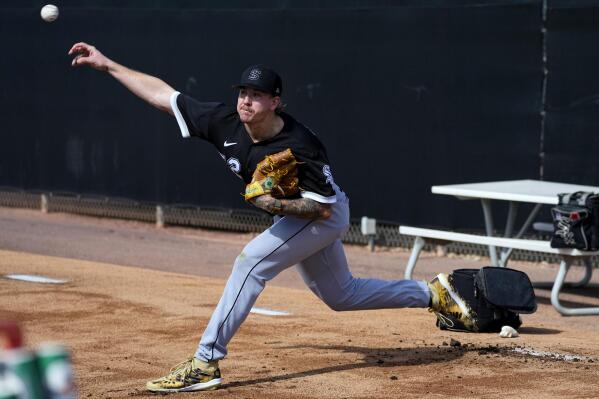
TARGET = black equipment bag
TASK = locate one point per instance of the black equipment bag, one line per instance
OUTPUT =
(505, 288)
(495, 295)
(576, 221)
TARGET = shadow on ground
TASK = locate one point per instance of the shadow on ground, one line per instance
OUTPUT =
(372, 357)
(538, 331)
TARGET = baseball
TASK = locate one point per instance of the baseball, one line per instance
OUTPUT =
(49, 12)
(508, 332)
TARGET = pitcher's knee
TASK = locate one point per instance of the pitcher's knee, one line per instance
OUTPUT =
(339, 299)
(337, 304)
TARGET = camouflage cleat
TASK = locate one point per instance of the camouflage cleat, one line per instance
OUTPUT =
(446, 301)
(187, 376)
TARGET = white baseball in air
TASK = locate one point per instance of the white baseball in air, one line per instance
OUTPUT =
(49, 12)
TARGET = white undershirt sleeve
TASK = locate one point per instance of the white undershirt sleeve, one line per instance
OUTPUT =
(180, 120)
(319, 198)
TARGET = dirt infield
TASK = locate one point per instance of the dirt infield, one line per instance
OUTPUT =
(126, 323)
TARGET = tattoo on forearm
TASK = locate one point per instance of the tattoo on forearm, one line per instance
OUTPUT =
(264, 202)
(301, 207)
(305, 208)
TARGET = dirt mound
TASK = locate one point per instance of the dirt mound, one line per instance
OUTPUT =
(126, 325)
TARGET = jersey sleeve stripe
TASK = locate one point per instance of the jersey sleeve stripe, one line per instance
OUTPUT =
(178, 115)
(319, 198)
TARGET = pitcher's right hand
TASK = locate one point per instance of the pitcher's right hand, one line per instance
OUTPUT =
(86, 54)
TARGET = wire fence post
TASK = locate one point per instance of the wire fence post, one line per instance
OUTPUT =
(159, 217)
(44, 203)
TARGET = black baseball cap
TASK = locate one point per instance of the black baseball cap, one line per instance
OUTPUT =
(263, 78)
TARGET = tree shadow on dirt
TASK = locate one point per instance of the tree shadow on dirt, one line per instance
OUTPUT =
(372, 357)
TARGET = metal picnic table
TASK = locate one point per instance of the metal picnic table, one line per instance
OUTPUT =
(538, 192)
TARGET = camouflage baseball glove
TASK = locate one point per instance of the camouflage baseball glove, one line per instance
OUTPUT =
(276, 175)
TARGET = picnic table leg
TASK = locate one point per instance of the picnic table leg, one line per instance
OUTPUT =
(511, 219)
(557, 286)
(531, 217)
(588, 273)
(489, 228)
(509, 229)
(505, 255)
(418, 245)
(575, 284)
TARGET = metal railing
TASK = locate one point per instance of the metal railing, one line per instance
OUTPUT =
(237, 220)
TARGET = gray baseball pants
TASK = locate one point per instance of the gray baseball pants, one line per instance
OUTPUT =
(315, 247)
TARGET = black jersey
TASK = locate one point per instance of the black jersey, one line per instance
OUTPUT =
(220, 125)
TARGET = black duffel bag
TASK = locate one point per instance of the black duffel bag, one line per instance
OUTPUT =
(496, 296)
(576, 221)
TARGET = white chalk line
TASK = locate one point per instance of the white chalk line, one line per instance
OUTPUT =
(552, 355)
(269, 312)
(47, 280)
(34, 279)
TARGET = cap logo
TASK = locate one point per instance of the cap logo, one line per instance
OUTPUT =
(254, 74)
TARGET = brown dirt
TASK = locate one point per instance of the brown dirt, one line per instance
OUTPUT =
(126, 323)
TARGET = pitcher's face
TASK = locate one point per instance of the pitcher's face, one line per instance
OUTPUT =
(254, 105)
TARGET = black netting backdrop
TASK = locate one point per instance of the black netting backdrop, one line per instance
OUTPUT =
(404, 94)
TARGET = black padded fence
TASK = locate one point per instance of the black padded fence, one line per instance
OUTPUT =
(404, 94)
(570, 143)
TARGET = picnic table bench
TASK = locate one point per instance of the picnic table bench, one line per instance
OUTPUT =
(567, 257)
(515, 191)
